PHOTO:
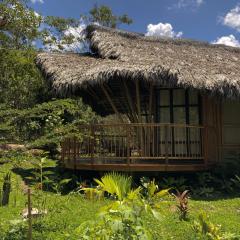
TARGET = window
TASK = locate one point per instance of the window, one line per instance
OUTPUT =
(178, 106)
(181, 107)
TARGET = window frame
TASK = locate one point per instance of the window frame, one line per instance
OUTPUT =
(171, 107)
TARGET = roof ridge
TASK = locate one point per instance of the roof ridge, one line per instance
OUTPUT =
(140, 36)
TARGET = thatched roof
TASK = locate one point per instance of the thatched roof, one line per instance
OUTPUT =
(169, 62)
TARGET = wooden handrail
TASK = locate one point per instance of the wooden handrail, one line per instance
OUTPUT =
(141, 124)
(133, 143)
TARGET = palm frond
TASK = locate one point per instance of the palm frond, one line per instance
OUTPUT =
(115, 184)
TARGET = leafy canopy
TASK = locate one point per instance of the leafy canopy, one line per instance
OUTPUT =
(21, 27)
(20, 24)
(105, 17)
(21, 83)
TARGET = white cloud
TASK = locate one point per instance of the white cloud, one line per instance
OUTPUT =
(199, 2)
(187, 3)
(37, 14)
(78, 44)
(37, 1)
(232, 18)
(78, 34)
(227, 40)
(162, 30)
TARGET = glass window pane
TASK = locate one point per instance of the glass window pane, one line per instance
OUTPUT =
(193, 97)
(193, 115)
(164, 99)
(179, 115)
(178, 97)
(164, 115)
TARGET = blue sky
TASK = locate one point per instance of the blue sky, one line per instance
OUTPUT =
(196, 19)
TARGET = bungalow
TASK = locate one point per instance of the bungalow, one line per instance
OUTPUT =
(176, 101)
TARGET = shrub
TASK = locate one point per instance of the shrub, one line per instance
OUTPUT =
(6, 189)
(182, 203)
(44, 125)
(122, 219)
(204, 229)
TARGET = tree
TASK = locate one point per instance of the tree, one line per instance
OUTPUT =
(21, 83)
(66, 34)
(19, 25)
(62, 34)
(104, 16)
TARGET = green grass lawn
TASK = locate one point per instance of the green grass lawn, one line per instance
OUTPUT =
(67, 212)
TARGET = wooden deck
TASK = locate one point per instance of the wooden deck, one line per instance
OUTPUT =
(136, 147)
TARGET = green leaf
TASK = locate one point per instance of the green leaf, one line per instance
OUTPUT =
(65, 181)
(48, 173)
(157, 215)
(163, 193)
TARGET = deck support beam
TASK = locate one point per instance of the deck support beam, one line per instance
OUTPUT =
(150, 102)
(141, 130)
(130, 102)
(111, 103)
(138, 101)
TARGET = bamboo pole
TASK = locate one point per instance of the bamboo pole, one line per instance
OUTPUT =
(166, 145)
(75, 153)
(150, 117)
(130, 102)
(92, 142)
(150, 102)
(111, 103)
(138, 101)
(29, 215)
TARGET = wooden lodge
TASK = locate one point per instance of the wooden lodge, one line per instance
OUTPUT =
(175, 101)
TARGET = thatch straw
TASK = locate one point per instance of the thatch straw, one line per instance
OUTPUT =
(168, 62)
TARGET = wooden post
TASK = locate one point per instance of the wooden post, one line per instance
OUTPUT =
(150, 102)
(74, 152)
(62, 151)
(205, 145)
(166, 144)
(29, 215)
(92, 138)
(69, 150)
(138, 101)
(111, 103)
(141, 132)
(128, 145)
(130, 102)
(150, 117)
(220, 131)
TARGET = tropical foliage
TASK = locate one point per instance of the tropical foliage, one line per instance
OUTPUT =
(45, 125)
(206, 230)
(21, 83)
(21, 27)
(103, 15)
(122, 219)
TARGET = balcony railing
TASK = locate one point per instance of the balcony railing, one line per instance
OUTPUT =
(129, 145)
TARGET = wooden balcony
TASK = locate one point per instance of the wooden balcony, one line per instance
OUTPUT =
(137, 147)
